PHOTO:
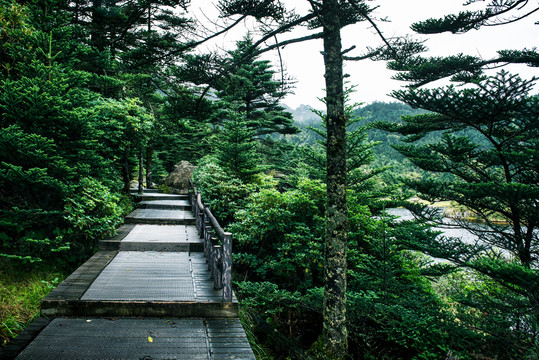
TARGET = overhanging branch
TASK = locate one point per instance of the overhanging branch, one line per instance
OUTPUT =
(288, 42)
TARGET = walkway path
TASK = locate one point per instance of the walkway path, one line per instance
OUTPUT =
(146, 295)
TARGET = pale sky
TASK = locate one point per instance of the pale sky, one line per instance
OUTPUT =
(304, 62)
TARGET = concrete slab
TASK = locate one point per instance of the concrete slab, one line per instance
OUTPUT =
(165, 204)
(160, 216)
(159, 196)
(146, 237)
(94, 338)
(145, 276)
(149, 237)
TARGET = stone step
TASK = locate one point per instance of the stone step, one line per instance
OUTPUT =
(134, 191)
(171, 338)
(159, 221)
(161, 246)
(165, 204)
(160, 216)
(152, 284)
(158, 196)
(147, 237)
(113, 308)
(151, 191)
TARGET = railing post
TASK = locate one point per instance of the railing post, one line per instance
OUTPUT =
(203, 218)
(207, 239)
(227, 267)
(216, 267)
(218, 257)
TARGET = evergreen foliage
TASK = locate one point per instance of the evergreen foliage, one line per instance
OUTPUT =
(393, 309)
(488, 145)
(47, 151)
(223, 193)
(88, 87)
(59, 181)
(495, 180)
(236, 152)
(327, 18)
(362, 175)
(249, 82)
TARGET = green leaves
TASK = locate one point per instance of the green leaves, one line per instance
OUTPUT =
(249, 84)
(57, 138)
(259, 9)
(92, 210)
(236, 150)
(279, 235)
(460, 23)
(495, 13)
(489, 130)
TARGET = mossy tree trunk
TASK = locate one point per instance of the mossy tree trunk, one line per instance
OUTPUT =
(141, 169)
(335, 332)
(126, 172)
(149, 165)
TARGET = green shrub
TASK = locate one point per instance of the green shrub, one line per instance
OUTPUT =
(222, 193)
(279, 236)
(92, 211)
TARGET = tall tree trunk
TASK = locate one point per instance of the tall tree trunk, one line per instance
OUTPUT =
(97, 28)
(335, 332)
(149, 164)
(126, 172)
(141, 170)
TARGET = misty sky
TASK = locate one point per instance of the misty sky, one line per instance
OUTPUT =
(304, 61)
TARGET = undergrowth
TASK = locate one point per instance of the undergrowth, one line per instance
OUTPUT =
(21, 291)
(249, 324)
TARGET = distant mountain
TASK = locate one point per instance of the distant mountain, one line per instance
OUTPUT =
(382, 111)
(377, 111)
(303, 114)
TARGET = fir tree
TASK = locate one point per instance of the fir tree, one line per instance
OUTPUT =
(489, 145)
(327, 19)
(495, 179)
(236, 147)
(58, 165)
(361, 175)
(250, 83)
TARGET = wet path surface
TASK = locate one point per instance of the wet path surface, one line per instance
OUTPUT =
(154, 270)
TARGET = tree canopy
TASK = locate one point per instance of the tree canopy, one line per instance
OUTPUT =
(99, 97)
(488, 130)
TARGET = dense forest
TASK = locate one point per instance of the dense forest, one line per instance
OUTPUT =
(99, 97)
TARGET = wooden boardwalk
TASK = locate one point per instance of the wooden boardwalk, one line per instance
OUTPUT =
(148, 294)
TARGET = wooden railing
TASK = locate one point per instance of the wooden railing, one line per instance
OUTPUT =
(217, 244)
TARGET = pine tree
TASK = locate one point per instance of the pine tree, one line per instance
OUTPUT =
(489, 144)
(59, 162)
(236, 147)
(327, 19)
(250, 83)
(361, 175)
(495, 179)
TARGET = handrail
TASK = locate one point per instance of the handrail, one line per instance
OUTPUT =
(218, 251)
(214, 223)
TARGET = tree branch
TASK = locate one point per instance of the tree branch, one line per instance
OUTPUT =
(194, 44)
(290, 41)
(354, 5)
(515, 19)
(282, 29)
(363, 57)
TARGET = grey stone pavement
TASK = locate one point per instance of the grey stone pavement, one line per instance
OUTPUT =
(100, 339)
(171, 277)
